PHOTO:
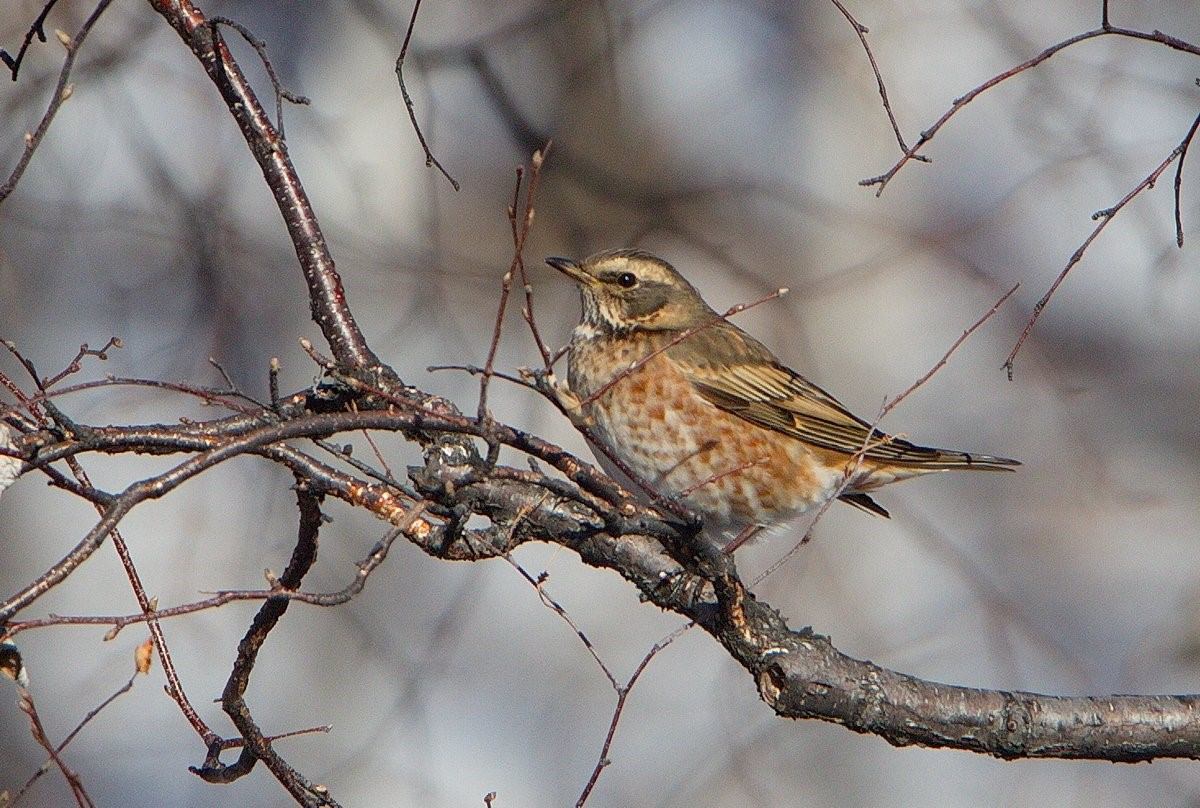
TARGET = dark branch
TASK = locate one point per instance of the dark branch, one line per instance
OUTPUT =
(327, 297)
(256, 746)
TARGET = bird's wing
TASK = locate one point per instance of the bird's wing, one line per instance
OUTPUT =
(737, 373)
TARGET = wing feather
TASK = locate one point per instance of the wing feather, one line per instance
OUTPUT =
(738, 374)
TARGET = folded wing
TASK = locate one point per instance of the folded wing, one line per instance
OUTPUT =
(749, 382)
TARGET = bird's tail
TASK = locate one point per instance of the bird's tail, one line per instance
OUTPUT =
(916, 461)
(893, 451)
(946, 460)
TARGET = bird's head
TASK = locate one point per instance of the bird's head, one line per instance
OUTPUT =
(628, 290)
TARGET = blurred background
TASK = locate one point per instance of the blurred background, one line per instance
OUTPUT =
(728, 137)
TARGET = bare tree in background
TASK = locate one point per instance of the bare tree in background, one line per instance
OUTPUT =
(449, 475)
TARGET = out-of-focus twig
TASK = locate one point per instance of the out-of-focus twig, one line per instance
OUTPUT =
(62, 91)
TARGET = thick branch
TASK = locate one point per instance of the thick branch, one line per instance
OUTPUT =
(799, 674)
(803, 676)
(326, 296)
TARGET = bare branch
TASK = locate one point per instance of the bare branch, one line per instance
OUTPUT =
(327, 297)
(260, 47)
(1104, 217)
(71, 736)
(861, 32)
(430, 160)
(62, 91)
(520, 222)
(39, 734)
(941, 363)
(622, 694)
(36, 29)
(959, 103)
(256, 745)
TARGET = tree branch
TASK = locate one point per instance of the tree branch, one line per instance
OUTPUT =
(799, 673)
(327, 297)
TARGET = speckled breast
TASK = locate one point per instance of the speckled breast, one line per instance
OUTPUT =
(732, 472)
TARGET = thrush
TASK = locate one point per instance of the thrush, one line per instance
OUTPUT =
(702, 412)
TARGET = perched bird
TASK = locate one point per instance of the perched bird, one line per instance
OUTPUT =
(708, 415)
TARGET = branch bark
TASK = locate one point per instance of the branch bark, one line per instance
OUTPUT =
(799, 673)
(326, 294)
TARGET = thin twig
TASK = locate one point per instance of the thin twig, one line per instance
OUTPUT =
(62, 91)
(430, 160)
(1187, 141)
(623, 691)
(678, 338)
(364, 568)
(148, 606)
(205, 394)
(876, 438)
(36, 29)
(520, 222)
(475, 370)
(881, 181)
(75, 365)
(498, 327)
(861, 32)
(720, 475)
(1104, 217)
(539, 584)
(519, 237)
(39, 734)
(95, 711)
(260, 47)
(987, 315)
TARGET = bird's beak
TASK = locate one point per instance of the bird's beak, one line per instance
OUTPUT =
(571, 269)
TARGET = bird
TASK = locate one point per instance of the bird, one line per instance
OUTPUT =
(702, 413)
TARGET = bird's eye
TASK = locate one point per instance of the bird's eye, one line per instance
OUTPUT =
(627, 280)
